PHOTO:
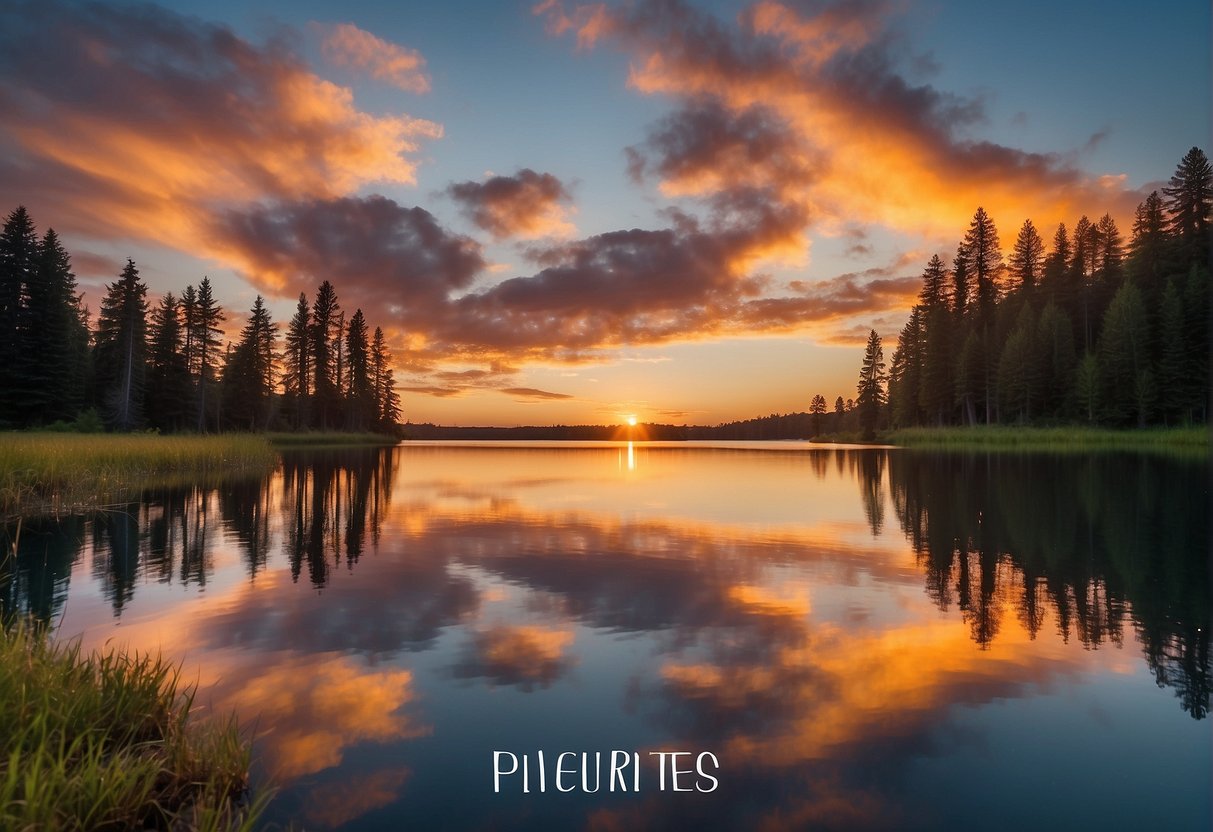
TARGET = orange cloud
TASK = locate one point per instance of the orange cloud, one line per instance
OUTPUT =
(140, 124)
(880, 147)
(348, 46)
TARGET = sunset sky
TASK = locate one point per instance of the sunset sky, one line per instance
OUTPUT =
(563, 213)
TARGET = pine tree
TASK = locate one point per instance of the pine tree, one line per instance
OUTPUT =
(1189, 201)
(339, 368)
(905, 372)
(297, 365)
(961, 288)
(120, 355)
(817, 409)
(934, 290)
(983, 257)
(18, 262)
(53, 359)
(935, 393)
(189, 322)
(325, 385)
(1107, 256)
(1196, 342)
(1019, 367)
(1147, 249)
(206, 340)
(248, 377)
(1086, 387)
(360, 397)
(871, 386)
(1122, 354)
(167, 373)
(1055, 349)
(1056, 264)
(387, 400)
(1027, 258)
(968, 375)
(1172, 375)
(1079, 276)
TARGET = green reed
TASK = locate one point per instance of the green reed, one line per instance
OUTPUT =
(1190, 439)
(321, 439)
(63, 471)
(107, 741)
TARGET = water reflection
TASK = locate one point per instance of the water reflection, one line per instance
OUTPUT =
(391, 614)
(1100, 542)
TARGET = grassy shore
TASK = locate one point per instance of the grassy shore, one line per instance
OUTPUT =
(48, 472)
(1003, 437)
(327, 439)
(105, 741)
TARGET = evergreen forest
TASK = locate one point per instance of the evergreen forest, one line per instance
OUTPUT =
(166, 365)
(1093, 328)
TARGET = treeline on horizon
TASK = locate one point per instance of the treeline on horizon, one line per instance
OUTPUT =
(786, 426)
(167, 367)
(1096, 331)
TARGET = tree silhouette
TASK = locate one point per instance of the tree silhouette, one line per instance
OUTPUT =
(871, 386)
(55, 359)
(1027, 258)
(360, 396)
(168, 372)
(206, 339)
(18, 263)
(248, 377)
(297, 365)
(324, 332)
(817, 408)
(1190, 199)
(121, 349)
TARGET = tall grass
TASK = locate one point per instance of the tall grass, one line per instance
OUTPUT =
(60, 471)
(105, 741)
(1005, 437)
(320, 439)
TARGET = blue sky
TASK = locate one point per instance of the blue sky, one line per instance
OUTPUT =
(688, 211)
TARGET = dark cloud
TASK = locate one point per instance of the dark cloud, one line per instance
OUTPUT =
(707, 146)
(530, 393)
(438, 392)
(370, 247)
(527, 204)
(90, 264)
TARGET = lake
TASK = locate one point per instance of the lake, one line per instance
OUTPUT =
(736, 636)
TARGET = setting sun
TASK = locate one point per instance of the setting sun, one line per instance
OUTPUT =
(631, 420)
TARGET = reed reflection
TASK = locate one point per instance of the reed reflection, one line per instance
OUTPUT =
(326, 502)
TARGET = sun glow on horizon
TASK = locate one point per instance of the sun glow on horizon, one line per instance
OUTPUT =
(631, 420)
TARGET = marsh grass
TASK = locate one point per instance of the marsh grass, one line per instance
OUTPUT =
(1194, 440)
(51, 472)
(325, 439)
(106, 741)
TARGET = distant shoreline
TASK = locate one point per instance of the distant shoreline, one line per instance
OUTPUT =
(980, 437)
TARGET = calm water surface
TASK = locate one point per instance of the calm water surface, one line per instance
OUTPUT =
(863, 639)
